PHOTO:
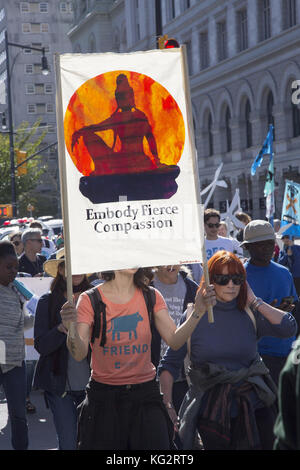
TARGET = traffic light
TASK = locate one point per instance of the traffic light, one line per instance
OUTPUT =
(6, 211)
(21, 156)
(171, 43)
(165, 43)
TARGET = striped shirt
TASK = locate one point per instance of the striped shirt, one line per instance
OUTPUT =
(12, 343)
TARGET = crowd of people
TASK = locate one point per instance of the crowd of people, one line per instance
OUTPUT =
(133, 362)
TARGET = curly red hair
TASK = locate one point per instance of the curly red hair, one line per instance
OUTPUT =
(234, 265)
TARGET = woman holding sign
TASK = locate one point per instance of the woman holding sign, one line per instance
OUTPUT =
(231, 397)
(62, 379)
(123, 409)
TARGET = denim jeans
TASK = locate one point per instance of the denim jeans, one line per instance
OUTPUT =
(14, 385)
(30, 368)
(65, 417)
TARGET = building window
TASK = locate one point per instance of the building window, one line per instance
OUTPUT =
(289, 13)
(31, 108)
(249, 140)
(204, 51)
(137, 23)
(28, 68)
(29, 89)
(43, 7)
(26, 27)
(188, 45)
(24, 7)
(83, 7)
(39, 88)
(48, 88)
(222, 40)
(40, 108)
(296, 120)
(172, 12)
(228, 130)
(242, 24)
(186, 4)
(210, 137)
(44, 28)
(50, 108)
(264, 12)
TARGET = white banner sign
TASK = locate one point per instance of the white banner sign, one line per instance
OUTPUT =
(127, 160)
(38, 286)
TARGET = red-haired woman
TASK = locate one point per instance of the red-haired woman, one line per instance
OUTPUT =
(231, 399)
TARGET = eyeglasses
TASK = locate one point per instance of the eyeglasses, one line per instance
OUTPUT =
(36, 240)
(213, 225)
(16, 243)
(223, 279)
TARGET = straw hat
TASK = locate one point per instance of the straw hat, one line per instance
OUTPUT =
(51, 265)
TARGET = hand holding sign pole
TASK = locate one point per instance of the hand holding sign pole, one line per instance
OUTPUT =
(204, 260)
(64, 194)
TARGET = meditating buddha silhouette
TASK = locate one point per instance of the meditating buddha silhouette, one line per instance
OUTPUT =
(131, 126)
(127, 170)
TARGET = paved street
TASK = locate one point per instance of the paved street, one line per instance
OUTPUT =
(40, 424)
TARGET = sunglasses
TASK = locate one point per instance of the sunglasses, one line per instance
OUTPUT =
(223, 279)
(213, 225)
(16, 243)
(36, 240)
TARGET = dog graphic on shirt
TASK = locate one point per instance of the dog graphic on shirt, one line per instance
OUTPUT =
(127, 324)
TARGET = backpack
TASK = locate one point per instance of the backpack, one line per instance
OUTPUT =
(99, 308)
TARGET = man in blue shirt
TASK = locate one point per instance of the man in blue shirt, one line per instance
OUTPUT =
(274, 284)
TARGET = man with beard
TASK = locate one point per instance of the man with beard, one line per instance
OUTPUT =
(274, 284)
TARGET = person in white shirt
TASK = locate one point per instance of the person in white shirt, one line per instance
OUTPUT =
(213, 241)
(223, 232)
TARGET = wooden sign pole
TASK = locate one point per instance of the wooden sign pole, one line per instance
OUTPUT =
(63, 186)
(192, 141)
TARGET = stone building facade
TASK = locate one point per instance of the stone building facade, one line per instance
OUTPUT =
(243, 58)
(37, 24)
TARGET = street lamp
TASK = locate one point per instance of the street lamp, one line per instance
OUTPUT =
(45, 71)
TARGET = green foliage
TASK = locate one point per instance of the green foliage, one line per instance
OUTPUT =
(25, 139)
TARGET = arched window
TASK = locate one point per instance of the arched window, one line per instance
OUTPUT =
(296, 119)
(228, 130)
(249, 141)
(92, 43)
(270, 117)
(210, 137)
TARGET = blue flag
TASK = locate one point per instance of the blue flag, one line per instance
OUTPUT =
(267, 149)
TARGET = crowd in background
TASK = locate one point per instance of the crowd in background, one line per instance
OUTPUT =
(240, 372)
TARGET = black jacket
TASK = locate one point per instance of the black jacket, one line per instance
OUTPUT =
(51, 344)
(26, 266)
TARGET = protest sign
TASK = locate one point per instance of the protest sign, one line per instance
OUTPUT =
(129, 176)
(38, 286)
(291, 208)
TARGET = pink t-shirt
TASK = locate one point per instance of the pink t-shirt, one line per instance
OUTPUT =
(126, 356)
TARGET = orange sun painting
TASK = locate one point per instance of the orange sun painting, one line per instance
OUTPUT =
(123, 122)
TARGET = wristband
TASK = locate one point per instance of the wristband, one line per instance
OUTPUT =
(256, 303)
